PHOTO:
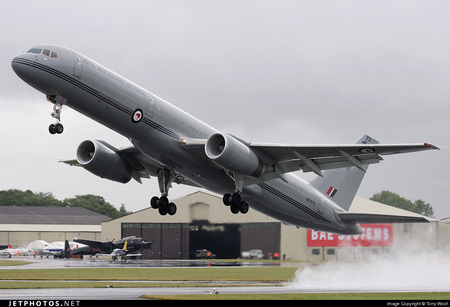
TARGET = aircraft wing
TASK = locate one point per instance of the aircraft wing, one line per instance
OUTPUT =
(94, 244)
(372, 218)
(315, 158)
(143, 166)
(131, 255)
(285, 158)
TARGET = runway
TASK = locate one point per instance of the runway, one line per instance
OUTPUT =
(325, 273)
(135, 293)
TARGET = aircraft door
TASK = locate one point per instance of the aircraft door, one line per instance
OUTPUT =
(320, 210)
(150, 107)
(77, 66)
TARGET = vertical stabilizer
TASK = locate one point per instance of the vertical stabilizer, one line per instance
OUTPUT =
(343, 183)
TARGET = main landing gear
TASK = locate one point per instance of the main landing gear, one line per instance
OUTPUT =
(57, 101)
(163, 205)
(165, 179)
(235, 202)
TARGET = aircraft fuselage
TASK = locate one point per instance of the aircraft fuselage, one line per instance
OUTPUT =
(157, 129)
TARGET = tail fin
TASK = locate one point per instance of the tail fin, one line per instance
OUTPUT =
(343, 183)
(66, 246)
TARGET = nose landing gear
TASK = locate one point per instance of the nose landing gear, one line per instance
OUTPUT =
(57, 101)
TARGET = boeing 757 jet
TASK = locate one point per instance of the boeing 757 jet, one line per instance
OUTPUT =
(175, 147)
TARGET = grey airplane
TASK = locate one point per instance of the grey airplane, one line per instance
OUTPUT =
(175, 147)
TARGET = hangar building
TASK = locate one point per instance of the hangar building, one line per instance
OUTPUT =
(22, 225)
(203, 222)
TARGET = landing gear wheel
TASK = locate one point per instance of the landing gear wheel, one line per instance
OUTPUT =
(236, 198)
(164, 202)
(234, 208)
(227, 199)
(51, 129)
(59, 128)
(154, 202)
(172, 209)
(162, 211)
(243, 208)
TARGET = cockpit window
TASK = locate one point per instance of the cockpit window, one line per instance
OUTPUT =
(45, 52)
(35, 50)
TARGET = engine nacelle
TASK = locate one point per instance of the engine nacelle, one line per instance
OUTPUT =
(233, 155)
(101, 159)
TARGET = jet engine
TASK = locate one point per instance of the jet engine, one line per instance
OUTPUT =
(233, 155)
(102, 159)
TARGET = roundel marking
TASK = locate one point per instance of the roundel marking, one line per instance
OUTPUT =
(137, 116)
(367, 150)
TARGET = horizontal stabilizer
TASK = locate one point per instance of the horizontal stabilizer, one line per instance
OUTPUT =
(372, 218)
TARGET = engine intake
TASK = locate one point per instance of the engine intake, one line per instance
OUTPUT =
(233, 155)
(102, 159)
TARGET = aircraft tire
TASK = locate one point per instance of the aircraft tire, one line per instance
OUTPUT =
(59, 128)
(243, 208)
(227, 199)
(164, 202)
(234, 208)
(154, 202)
(51, 129)
(162, 211)
(236, 198)
(172, 209)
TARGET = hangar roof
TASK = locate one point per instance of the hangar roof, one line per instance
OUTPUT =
(50, 216)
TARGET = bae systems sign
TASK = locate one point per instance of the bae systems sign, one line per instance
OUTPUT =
(374, 235)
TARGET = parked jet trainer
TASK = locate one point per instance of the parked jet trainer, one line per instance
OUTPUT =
(174, 146)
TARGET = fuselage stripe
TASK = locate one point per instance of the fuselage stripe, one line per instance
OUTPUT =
(292, 201)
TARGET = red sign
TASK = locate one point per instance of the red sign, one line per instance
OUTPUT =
(374, 235)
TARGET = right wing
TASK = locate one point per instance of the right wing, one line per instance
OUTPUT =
(143, 166)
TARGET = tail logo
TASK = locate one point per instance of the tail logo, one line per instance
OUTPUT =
(331, 192)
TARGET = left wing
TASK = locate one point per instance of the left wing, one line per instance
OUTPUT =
(316, 158)
(285, 158)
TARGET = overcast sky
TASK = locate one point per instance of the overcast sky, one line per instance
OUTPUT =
(305, 72)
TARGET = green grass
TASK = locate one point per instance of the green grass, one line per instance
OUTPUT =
(265, 274)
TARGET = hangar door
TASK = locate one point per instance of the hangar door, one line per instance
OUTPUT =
(170, 240)
(223, 240)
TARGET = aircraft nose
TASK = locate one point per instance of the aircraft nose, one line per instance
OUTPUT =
(20, 67)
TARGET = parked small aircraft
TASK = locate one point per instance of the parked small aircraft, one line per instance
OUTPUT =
(134, 244)
(122, 253)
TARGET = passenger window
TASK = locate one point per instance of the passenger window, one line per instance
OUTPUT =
(35, 50)
(46, 52)
(54, 55)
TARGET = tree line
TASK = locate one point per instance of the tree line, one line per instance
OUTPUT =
(91, 202)
(395, 200)
(98, 204)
